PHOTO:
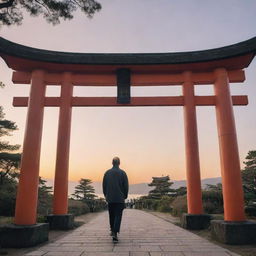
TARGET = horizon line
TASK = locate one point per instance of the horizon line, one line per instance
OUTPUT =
(134, 183)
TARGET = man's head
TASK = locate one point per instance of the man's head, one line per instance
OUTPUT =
(116, 161)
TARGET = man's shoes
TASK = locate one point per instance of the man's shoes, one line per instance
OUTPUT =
(114, 237)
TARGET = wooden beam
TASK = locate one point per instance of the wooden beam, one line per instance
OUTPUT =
(20, 101)
(137, 79)
(53, 78)
(19, 77)
(239, 100)
(106, 101)
(236, 76)
(52, 101)
(156, 79)
(135, 101)
(48, 102)
(205, 100)
(94, 79)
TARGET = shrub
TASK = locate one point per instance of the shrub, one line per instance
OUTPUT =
(165, 204)
(150, 204)
(209, 207)
(147, 203)
(7, 198)
(40, 219)
(179, 205)
(6, 220)
(212, 201)
(77, 207)
(99, 205)
(250, 210)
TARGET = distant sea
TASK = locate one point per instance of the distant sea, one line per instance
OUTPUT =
(130, 196)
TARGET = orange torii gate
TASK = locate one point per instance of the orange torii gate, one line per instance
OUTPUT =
(219, 67)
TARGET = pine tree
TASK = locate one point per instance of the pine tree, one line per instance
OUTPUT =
(85, 193)
(6, 128)
(9, 162)
(44, 197)
(11, 11)
(162, 187)
(249, 177)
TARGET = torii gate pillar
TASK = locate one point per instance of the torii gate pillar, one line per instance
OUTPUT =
(233, 196)
(194, 219)
(26, 207)
(60, 219)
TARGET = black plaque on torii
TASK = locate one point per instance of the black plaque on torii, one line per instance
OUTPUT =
(123, 85)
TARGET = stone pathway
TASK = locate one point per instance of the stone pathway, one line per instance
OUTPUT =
(142, 234)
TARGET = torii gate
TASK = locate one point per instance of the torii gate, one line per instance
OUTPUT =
(219, 66)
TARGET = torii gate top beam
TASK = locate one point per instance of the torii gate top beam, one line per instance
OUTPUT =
(23, 58)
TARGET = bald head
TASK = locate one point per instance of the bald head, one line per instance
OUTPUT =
(116, 161)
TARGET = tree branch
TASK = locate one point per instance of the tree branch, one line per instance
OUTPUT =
(7, 4)
(45, 6)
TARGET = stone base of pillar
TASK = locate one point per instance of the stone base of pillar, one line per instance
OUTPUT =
(195, 221)
(61, 222)
(19, 236)
(236, 232)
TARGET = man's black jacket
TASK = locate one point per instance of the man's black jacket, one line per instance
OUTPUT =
(115, 185)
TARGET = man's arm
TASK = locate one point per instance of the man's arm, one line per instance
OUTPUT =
(104, 185)
(126, 185)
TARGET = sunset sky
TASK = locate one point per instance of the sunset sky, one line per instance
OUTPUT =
(148, 140)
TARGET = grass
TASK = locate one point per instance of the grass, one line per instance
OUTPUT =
(5, 220)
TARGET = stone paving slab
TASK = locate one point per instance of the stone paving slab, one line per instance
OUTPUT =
(142, 234)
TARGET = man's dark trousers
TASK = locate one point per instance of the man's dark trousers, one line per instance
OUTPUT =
(115, 216)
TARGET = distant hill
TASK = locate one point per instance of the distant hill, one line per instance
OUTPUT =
(141, 188)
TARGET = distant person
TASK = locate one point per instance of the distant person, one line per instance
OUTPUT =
(115, 189)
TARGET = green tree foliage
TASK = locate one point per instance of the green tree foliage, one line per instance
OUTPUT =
(179, 205)
(77, 207)
(11, 11)
(99, 204)
(8, 197)
(144, 202)
(181, 191)
(212, 198)
(85, 192)
(162, 187)
(165, 204)
(161, 197)
(44, 198)
(9, 162)
(6, 128)
(249, 177)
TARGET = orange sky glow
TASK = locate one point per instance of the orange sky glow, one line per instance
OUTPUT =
(148, 140)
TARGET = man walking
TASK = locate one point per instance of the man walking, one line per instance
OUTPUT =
(115, 189)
